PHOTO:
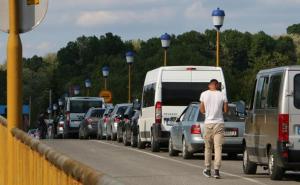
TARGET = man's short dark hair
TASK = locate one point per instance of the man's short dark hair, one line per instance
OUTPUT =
(214, 81)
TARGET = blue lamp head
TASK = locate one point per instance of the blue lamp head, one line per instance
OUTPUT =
(218, 17)
(129, 57)
(76, 90)
(88, 83)
(165, 40)
(105, 71)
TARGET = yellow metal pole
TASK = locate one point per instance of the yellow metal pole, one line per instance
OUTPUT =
(218, 48)
(129, 83)
(165, 57)
(14, 90)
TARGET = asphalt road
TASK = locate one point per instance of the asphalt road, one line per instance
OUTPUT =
(141, 167)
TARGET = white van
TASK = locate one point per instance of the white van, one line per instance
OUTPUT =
(167, 92)
(75, 109)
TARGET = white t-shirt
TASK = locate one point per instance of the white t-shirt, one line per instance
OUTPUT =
(213, 103)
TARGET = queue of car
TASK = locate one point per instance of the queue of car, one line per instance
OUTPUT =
(267, 133)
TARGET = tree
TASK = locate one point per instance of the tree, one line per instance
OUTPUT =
(293, 29)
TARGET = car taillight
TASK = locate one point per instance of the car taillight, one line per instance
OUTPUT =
(283, 127)
(158, 112)
(89, 120)
(126, 120)
(117, 120)
(68, 119)
(196, 129)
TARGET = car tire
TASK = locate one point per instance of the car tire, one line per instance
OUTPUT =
(185, 153)
(154, 145)
(232, 156)
(248, 166)
(133, 140)
(276, 172)
(119, 136)
(172, 152)
(125, 141)
(141, 144)
(113, 136)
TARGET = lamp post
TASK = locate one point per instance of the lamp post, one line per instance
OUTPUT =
(218, 19)
(88, 85)
(165, 43)
(105, 73)
(129, 60)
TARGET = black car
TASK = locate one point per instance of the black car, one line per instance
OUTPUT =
(88, 126)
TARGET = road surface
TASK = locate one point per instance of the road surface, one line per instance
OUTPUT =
(141, 167)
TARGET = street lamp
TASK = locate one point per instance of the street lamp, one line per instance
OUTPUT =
(105, 73)
(76, 90)
(88, 85)
(218, 19)
(129, 60)
(165, 43)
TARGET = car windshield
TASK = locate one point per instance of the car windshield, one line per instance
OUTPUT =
(121, 110)
(77, 106)
(231, 115)
(97, 113)
(181, 93)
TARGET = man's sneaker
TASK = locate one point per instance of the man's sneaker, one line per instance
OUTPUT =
(207, 173)
(217, 174)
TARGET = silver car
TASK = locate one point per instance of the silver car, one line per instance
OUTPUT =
(187, 132)
(102, 124)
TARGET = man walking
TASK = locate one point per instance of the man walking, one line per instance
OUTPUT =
(212, 103)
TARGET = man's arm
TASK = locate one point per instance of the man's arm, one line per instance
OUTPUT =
(225, 107)
(202, 108)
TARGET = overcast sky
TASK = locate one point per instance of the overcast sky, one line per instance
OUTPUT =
(133, 19)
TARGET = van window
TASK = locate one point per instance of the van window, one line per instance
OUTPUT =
(148, 95)
(78, 106)
(297, 91)
(182, 93)
(261, 92)
(274, 89)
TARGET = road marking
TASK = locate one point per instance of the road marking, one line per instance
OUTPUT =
(180, 162)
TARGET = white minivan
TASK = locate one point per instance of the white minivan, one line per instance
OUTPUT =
(75, 109)
(166, 93)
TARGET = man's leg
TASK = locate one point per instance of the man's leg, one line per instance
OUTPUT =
(208, 139)
(218, 142)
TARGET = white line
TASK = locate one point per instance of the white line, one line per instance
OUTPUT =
(180, 162)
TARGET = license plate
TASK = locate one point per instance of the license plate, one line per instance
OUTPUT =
(75, 124)
(231, 133)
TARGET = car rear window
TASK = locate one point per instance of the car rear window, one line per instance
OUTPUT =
(231, 115)
(182, 93)
(121, 110)
(297, 91)
(97, 113)
(77, 106)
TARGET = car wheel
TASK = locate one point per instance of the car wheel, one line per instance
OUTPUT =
(276, 172)
(113, 136)
(133, 140)
(232, 156)
(172, 152)
(141, 144)
(125, 142)
(119, 136)
(185, 153)
(154, 145)
(248, 166)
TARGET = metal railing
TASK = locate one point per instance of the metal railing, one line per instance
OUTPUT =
(38, 164)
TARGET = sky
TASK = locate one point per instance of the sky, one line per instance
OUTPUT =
(143, 19)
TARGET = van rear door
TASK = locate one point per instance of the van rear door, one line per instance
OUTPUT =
(294, 109)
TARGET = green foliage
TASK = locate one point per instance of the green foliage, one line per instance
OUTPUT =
(293, 29)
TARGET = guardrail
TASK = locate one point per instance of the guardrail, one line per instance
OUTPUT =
(39, 164)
